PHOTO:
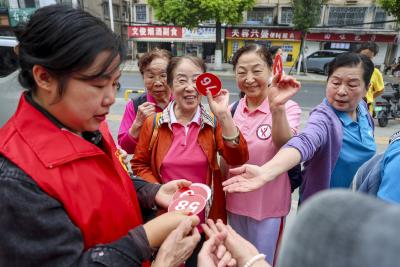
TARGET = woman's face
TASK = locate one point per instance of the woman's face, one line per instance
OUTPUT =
(155, 79)
(252, 75)
(85, 103)
(184, 85)
(346, 88)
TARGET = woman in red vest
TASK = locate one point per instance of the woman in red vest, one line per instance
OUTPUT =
(65, 198)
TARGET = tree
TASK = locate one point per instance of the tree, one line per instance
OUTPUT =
(189, 13)
(392, 6)
(306, 14)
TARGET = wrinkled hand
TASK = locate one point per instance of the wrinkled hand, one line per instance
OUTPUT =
(219, 103)
(247, 178)
(178, 246)
(280, 93)
(144, 110)
(160, 227)
(241, 249)
(167, 191)
(214, 252)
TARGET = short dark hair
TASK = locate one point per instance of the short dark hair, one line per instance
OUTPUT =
(260, 50)
(352, 60)
(64, 41)
(370, 46)
(148, 57)
(175, 61)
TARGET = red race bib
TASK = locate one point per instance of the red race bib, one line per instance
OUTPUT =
(208, 82)
(194, 204)
(194, 189)
(278, 67)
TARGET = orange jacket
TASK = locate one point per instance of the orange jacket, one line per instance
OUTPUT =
(147, 161)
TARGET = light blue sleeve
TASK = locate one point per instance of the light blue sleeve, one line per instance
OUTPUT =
(389, 190)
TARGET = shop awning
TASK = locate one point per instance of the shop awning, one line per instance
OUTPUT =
(174, 40)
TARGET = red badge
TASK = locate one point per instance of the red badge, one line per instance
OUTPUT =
(278, 67)
(194, 204)
(190, 191)
(208, 82)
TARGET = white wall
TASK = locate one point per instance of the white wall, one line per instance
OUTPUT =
(312, 47)
(380, 58)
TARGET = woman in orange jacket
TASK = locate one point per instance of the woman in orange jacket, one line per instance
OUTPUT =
(183, 140)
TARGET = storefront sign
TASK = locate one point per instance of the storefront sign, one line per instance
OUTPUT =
(351, 37)
(199, 33)
(255, 33)
(154, 32)
(20, 15)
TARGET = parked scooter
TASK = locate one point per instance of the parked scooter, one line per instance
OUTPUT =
(390, 109)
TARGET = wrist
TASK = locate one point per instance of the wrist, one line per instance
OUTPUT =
(223, 115)
(275, 108)
(250, 262)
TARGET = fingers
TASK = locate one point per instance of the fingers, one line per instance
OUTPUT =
(227, 257)
(209, 97)
(288, 81)
(233, 180)
(238, 170)
(240, 185)
(183, 183)
(184, 228)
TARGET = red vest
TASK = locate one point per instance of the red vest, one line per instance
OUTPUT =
(91, 184)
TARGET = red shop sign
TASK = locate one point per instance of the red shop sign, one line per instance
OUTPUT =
(257, 33)
(351, 37)
(154, 32)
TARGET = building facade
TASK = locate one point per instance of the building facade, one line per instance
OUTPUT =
(343, 25)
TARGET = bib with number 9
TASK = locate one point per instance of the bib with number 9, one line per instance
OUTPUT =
(208, 82)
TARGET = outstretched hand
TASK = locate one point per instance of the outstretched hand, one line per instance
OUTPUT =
(247, 178)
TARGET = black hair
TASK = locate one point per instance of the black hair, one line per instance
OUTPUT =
(370, 46)
(273, 50)
(262, 51)
(175, 61)
(65, 41)
(353, 60)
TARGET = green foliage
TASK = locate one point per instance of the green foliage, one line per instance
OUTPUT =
(189, 13)
(306, 13)
(392, 6)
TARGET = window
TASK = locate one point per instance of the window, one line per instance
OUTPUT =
(26, 3)
(286, 15)
(380, 15)
(347, 15)
(142, 47)
(141, 13)
(260, 16)
(106, 11)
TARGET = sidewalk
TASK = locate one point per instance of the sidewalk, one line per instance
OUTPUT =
(227, 71)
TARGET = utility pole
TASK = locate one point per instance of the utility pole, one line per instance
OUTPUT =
(110, 7)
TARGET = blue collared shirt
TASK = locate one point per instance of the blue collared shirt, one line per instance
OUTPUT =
(358, 146)
(389, 189)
